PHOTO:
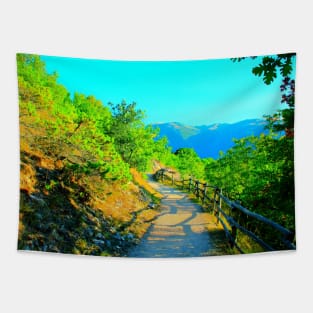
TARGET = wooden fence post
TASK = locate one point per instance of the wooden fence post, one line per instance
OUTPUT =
(233, 235)
(197, 189)
(214, 200)
(190, 183)
(205, 186)
(217, 204)
(220, 205)
(218, 200)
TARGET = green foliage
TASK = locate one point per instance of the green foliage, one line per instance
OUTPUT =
(163, 152)
(268, 69)
(189, 163)
(284, 119)
(132, 139)
(269, 66)
(74, 130)
(91, 109)
(184, 160)
(51, 185)
(92, 140)
(81, 130)
(258, 171)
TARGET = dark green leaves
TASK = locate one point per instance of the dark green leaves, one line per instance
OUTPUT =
(286, 68)
(271, 64)
(259, 171)
(267, 68)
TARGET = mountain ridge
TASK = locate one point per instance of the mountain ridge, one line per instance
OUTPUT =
(209, 140)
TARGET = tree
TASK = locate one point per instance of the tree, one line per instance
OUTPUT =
(269, 66)
(268, 69)
(74, 131)
(260, 170)
(189, 163)
(133, 140)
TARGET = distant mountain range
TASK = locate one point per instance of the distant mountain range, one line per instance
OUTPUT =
(209, 140)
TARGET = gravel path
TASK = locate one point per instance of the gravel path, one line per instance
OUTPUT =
(181, 230)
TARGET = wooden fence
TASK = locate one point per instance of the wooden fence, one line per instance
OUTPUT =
(233, 216)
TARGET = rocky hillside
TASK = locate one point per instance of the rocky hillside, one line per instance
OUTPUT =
(77, 194)
(61, 212)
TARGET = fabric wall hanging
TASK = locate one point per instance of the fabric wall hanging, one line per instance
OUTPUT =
(156, 159)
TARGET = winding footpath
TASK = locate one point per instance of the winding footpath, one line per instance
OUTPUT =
(181, 229)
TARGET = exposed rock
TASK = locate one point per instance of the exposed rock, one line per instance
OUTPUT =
(38, 200)
(98, 242)
(99, 236)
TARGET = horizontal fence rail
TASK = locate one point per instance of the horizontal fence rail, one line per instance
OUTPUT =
(231, 214)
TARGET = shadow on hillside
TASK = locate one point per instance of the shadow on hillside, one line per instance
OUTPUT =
(56, 218)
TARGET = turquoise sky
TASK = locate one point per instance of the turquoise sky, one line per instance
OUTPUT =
(198, 92)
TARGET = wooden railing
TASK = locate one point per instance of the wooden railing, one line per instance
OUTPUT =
(233, 216)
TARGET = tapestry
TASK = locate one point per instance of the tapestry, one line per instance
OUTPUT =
(156, 159)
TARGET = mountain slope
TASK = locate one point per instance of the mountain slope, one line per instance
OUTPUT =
(77, 194)
(209, 140)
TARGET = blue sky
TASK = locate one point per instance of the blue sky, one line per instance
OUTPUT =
(199, 92)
